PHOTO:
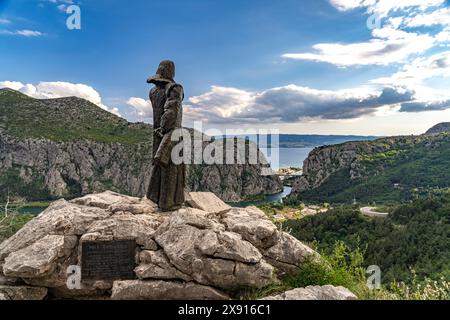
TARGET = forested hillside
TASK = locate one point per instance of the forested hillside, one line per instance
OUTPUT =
(415, 237)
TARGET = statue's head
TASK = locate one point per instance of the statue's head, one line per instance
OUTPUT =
(164, 74)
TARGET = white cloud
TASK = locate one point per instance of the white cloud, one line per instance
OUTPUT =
(24, 33)
(344, 5)
(391, 46)
(29, 33)
(59, 89)
(384, 7)
(391, 43)
(290, 104)
(436, 17)
(4, 21)
(419, 70)
(143, 107)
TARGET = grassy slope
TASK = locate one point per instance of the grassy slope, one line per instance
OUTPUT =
(65, 119)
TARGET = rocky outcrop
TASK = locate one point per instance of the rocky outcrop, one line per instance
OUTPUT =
(315, 293)
(322, 162)
(45, 168)
(356, 161)
(163, 290)
(22, 293)
(439, 128)
(189, 253)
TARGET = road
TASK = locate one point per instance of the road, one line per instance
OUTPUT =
(370, 212)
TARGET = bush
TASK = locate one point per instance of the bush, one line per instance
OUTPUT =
(12, 223)
(344, 267)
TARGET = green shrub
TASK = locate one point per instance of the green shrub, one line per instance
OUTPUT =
(344, 267)
(12, 223)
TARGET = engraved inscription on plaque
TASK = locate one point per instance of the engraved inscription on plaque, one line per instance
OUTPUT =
(108, 260)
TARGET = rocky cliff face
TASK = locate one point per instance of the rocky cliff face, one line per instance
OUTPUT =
(70, 147)
(401, 161)
(322, 162)
(41, 168)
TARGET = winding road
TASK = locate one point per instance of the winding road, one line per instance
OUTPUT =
(370, 212)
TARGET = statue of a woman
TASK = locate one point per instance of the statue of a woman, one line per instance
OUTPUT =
(167, 180)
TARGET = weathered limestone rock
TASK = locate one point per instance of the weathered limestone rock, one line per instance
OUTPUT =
(125, 227)
(7, 281)
(144, 207)
(106, 199)
(207, 201)
(39, 259)
(201, 248)
(164, 290)
(288, 254)
(186, 254)
(60, 218)
(315, 293)
(156, 265)
(230, 246)
(253, 225)
(22, 293)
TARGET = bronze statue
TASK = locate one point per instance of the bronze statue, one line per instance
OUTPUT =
(167, 180)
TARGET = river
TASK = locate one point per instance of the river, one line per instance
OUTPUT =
(267, 199)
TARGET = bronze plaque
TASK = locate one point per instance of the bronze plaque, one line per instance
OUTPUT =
(108, 260)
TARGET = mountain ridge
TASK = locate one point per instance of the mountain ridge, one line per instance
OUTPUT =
(385, 170)
(439, 128)
(49, 149)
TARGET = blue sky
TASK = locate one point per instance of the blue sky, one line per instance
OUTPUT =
(298, 66)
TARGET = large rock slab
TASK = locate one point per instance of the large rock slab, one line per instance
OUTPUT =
(60, 218)
(253, 225)
(200, 247)
(208, 202)
(156, 265)
(39, 259)
(125, 227)
(315, 293)
(105, 199)
(164, 290)
(22, 293)
(289, 254)
(190, 253)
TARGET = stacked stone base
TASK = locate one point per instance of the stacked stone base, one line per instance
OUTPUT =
(202, 251)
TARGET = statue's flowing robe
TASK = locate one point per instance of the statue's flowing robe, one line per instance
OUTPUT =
(167, 180)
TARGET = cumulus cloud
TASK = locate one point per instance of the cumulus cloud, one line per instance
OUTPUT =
(425, 106)
(59, 89)
(384, 7)
(389, 48)
(436, 17)
(419, 70)
(391, 43)
(427, 99)
(142, 107)
(290, 104)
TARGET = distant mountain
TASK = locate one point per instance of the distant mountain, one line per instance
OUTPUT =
(389, 169)
(439, 128)
(310, 141)
(67, 147)
(299, 141)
